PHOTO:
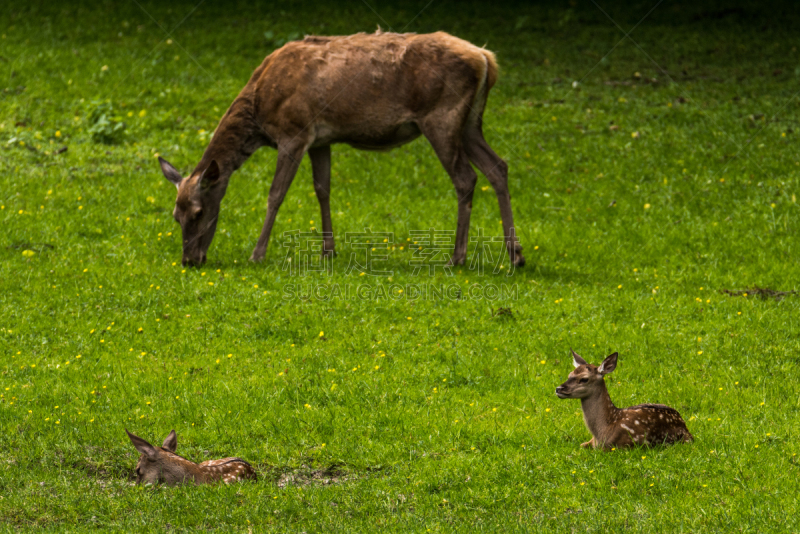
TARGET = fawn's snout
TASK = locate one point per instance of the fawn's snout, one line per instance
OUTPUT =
(561, 391)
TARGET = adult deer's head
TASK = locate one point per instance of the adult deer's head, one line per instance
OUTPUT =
(196, 207)
(585, 379)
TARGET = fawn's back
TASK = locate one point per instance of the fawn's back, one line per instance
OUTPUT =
(651, 424)
(228, 470)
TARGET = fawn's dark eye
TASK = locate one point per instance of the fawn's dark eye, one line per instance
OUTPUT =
(584, 380)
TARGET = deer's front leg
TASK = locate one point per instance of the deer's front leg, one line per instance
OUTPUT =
(589, 444)
(288, 163)
(321, 169)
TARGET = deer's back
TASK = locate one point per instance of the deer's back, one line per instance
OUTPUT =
(366, 85)
(228, 469)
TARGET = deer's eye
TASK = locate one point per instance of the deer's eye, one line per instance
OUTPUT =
(584, 380)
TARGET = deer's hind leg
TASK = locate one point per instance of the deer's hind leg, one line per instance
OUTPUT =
(496, 171)
(446, 142)
(321, 170)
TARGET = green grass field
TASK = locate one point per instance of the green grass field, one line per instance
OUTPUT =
(667, 174)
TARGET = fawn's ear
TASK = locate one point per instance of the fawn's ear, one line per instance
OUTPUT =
(608, 365)
(170, 172)
(577, 361)
(211, 175)
(142, 446)
(171, 442)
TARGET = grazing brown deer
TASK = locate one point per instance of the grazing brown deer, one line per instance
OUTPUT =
(161, 464)
(645, 424)
(371, 91)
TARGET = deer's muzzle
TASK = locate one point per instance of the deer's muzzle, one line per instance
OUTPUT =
(194, 260)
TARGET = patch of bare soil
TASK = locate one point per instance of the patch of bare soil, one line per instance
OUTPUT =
(305, 475)
(30, 246)
(763, 292)
(503, 311)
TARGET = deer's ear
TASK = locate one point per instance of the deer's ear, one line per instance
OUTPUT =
(577, 361)
(171, 442)
(211, 175)
(170, 172)
(142, 446)
(608, 365)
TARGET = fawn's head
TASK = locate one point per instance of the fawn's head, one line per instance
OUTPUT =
(196, 207)
(155, 463)
(585, 379)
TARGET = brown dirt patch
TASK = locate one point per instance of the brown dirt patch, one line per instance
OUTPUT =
(762, 292)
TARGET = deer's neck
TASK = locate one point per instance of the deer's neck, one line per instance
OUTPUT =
(180, 470)
(598, 413)
(236, 138)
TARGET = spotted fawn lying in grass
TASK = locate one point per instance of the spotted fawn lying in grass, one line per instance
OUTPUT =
(161, 464)
(644, 424)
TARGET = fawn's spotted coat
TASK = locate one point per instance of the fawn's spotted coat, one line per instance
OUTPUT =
(161, 464)
(644, 424)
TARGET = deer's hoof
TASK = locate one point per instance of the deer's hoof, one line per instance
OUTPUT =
(456, 261)
(256, 258)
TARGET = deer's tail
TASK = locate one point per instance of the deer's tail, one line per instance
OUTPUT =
(491, 68)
